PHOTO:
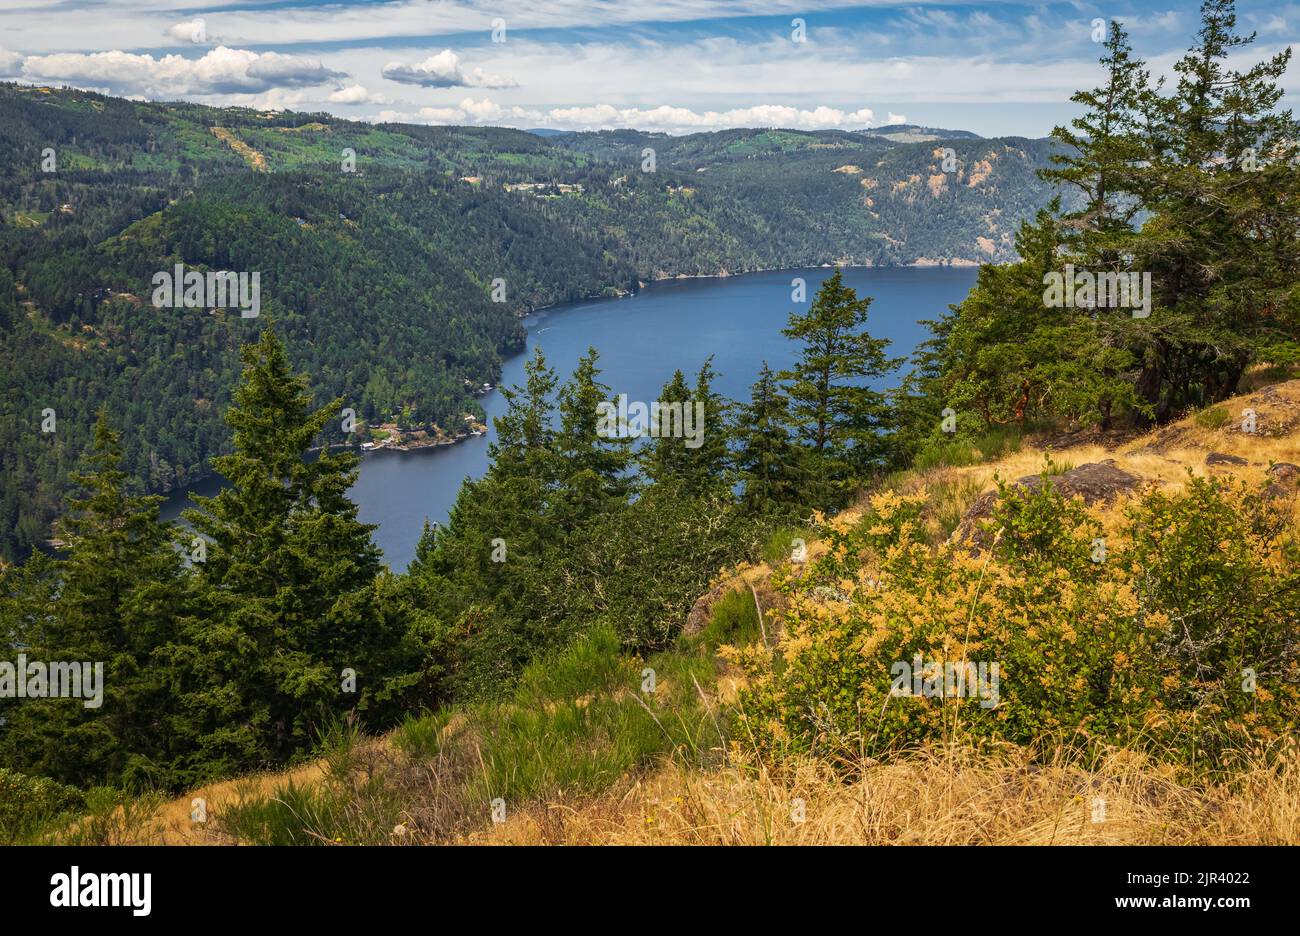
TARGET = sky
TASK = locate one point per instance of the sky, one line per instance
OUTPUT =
(677, 66)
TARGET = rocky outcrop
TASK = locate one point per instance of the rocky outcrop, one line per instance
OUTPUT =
(1097, 481)
(1283, 479)
(1221, 459)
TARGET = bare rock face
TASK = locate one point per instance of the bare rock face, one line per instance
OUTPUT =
(1219, 458)
(1096, 481)
(1285, 471)
(1284, 479)
(702, 611)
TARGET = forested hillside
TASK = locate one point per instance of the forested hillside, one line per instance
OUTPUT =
(1062, 559)
(381, 278)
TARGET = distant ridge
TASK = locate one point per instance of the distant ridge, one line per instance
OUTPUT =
(914, 133)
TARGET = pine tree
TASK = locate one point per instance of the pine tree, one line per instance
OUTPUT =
(1100, 154)
(838, 416)
(1006, 358)
(592, 469)
(486, 571)
(1222, 243)
(667, 458)
(712, 458)
(699, 463)
(766, 459)
(288, 580)
(115, 600)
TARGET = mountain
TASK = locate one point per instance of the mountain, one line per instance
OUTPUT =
(913, 133)
(378, 249)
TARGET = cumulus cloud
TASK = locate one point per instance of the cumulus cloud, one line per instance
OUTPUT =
(663, 118)
(11, 63)
(444, 70)
(485, 111)
(195, 30)
(356, 94)
(682, 119)
(220, 71)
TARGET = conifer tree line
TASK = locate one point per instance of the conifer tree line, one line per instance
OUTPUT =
(1195, 181)
(234, 645)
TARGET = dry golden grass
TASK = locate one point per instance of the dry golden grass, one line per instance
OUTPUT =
(1165, 456)
(949, 796)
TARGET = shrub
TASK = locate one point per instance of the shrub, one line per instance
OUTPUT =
(30, 804)
(1130, 627)
(1216, 417)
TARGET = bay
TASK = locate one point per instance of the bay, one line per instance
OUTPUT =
(641, 340)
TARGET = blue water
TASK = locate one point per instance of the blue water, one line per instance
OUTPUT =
(641, 340)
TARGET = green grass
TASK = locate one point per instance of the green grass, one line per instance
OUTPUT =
(1215, 417)
(577, 722)
(294, 815)
(992, 444)
(734, 621)
(780, 543)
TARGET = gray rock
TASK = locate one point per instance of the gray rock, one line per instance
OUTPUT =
(1096, 481)
(1219, 458)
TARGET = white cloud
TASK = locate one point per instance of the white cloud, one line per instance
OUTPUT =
(356, 94)
(122, 23)
(220, 71)
(682, 119)
(195, 30)
(11, 63)
(444, 71)
(663, 118)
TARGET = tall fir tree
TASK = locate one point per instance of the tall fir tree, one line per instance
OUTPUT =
(698, 461)
(593, 469)
(1100, 154)
(486, 572)
(113, 599)
(767, 461)
(837, 415)
(1223, 240)
(288, 582)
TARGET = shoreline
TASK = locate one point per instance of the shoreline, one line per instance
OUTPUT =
(423, 446)
(960, 263)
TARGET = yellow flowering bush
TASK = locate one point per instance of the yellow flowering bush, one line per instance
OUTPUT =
(1173, 624)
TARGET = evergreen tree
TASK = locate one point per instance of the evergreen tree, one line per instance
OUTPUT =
(592, 468)
(838, 416)
(1009, 359)
(766, 459)
(288, 582)
(1222, 244)
(1100, 154)
(699, 463)
(113, 600)
(712, 458)
(486, 572)
(667, 458)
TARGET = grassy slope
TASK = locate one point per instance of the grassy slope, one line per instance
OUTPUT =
(580, 754)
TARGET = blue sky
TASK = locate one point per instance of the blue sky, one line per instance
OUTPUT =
(672, 65)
